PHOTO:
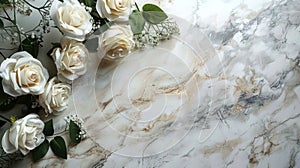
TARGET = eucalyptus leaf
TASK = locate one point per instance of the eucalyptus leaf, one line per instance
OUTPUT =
(1, 22)
(154, 17)
(48, 129)
(153, 14)
(58, 146)
(31, 45)
(74, 131)
(152, 7)
(88, 3)
(40, 151)
(136, 22)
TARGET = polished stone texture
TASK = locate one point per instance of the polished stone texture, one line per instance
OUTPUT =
(223, 93)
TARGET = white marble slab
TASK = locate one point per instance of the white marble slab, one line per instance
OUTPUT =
(225, 93)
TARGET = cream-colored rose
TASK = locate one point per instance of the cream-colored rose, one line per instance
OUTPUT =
(114, 10)
(24, 135)
(22, 74)
(71, 18)
(116, 42)
(56, 96)
(70, 60)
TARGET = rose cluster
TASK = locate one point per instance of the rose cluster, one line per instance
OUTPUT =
(23, 74)
(117, 41)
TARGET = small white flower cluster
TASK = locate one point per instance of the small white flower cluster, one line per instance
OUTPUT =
(155, 33)
(20, 6)
(78, 121)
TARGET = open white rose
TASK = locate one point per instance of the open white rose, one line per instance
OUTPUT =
(114, 10)
(25, 134)
(71, 18)
(22, 74)
(56, 96)
(70, 60)
(116, 42)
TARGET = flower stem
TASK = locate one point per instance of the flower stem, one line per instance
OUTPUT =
(34, 7)
(14, 6)
(6, 119)
(2, 55)
(137, 7)
(17, 27)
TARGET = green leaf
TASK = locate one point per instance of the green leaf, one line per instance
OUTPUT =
(58, 147)
(88, 3)
(40, 151)
(152, 7)
(31, 45)
(136, 22)
(1, 22)
(48, 129)
(74, 131)
(54, 46)
(153, 14)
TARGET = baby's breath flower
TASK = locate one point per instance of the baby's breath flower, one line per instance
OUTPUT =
(154, 33)
(78, 121)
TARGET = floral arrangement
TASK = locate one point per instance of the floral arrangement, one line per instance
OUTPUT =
(123, 28)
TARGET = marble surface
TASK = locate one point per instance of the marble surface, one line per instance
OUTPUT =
(224, 93)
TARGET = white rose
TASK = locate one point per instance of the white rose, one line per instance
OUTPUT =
(56, 96)
(116, 42)
(114, 10)
(71, 18)
(22, 74)
(70, 60)
(25, 134)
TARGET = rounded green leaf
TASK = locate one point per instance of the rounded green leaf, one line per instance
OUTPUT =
(88, 3)
(136, 22)
(40, 151)
(153, 14)
(152, 7)
(74, 131)
(58, 146)
(31, 45)
(48, 129)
